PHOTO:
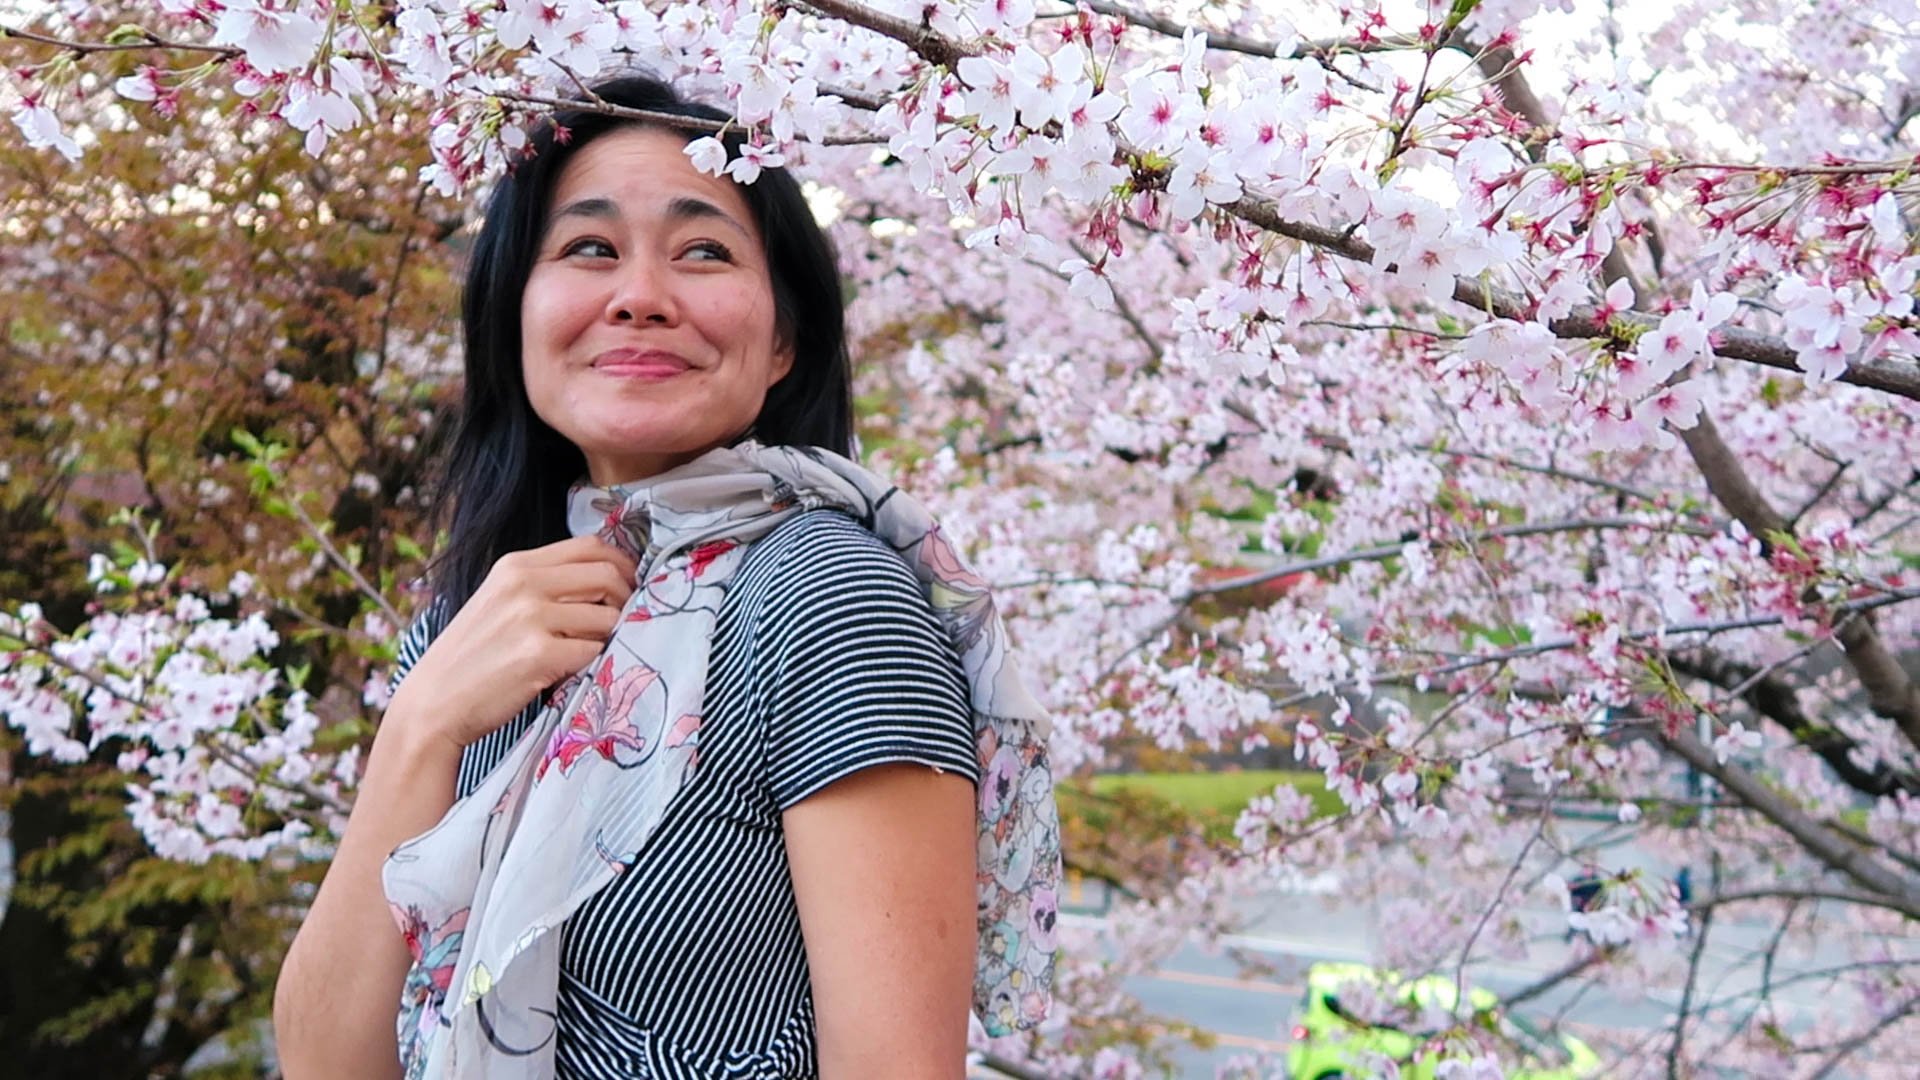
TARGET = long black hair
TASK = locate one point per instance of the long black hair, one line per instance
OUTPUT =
(506, 471)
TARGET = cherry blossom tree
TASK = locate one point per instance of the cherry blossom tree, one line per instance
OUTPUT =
(1508, 406)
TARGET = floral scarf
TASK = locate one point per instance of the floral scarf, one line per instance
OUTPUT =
(482, 895)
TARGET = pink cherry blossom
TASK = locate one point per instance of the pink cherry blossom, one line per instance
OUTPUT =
(276, 39)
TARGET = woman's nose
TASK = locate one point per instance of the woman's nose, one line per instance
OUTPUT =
(643, 294)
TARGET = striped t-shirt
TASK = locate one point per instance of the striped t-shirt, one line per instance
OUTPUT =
(827, 659)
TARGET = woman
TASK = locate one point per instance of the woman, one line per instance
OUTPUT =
(723, 824)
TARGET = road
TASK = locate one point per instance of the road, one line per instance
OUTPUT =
(1250, 1011)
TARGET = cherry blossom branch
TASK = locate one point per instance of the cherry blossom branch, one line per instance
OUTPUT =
(1486, 914)
(1899, 892)
(1833, 972)
(933, 47)
(1840, 826)
(1890, 690)
(202, 739)
(1435, 334)
(1686, 994)
(1890, 374)
(1545, 470)
(1796, 892)
(666, 119)
(1160, 24)
(1552, 979)
(1851, 1046)
(1225, 42)
(1389, 551)
(148, 40)
(1585, 322)
(1893, 492)
(1814, 500)
(1401, 678)
(1771, 696)
(353, 572)
(1499, 64)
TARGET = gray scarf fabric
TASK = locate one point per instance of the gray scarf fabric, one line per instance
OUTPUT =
(481, 896)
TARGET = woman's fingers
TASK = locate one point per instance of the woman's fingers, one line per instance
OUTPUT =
(592, 582)
(592, 622)
(583, 549)
(541, 615)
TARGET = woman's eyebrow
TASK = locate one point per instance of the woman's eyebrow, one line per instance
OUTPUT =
(685, 207)
(593, 206)
(679, 208)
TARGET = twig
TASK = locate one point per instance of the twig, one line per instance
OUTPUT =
(1847, 1049)
(1793, 893)
(1551, 980)
(149, 40)
(1171, 28)
(1122, 308)
(1557, 644)
(1825, 488)
(667, 119)
(1886, 500)
(1546, 470)
(1858, 837)
(1890, 690)
(1898, 892)
(1686, 995)
(333, 553)
(1385, 326)
(1499, 894)
(1388, 551)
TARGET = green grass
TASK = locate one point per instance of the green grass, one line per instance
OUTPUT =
(1222, 794)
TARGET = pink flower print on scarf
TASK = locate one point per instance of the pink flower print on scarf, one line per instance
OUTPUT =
(604, 719)
(435, 954)
(624, 524)
(686, 730)
(958, 595)
(702, 555)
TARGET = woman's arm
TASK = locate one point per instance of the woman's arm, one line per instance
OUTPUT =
(338, 997)
(883, 872)
(539, 616)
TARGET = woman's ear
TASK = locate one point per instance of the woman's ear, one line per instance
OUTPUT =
(782, 363)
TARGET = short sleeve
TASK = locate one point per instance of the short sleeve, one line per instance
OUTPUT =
(413, 644)
(861, 672)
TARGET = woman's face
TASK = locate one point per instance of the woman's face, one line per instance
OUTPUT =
(647, 325)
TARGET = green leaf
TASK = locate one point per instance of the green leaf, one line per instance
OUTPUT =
(1501, 637)
(127, 34)
(245, 440)
(1461, 9)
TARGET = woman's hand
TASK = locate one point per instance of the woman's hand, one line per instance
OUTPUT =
(540, 616)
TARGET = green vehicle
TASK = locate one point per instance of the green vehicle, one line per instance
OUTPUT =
(1330, 1042)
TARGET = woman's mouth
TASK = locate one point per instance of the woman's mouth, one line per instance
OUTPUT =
(647, 364)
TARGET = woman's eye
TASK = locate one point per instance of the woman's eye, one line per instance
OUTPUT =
(706, 250)
(589, 246)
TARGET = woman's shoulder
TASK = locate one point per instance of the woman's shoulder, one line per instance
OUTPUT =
(821, 554)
